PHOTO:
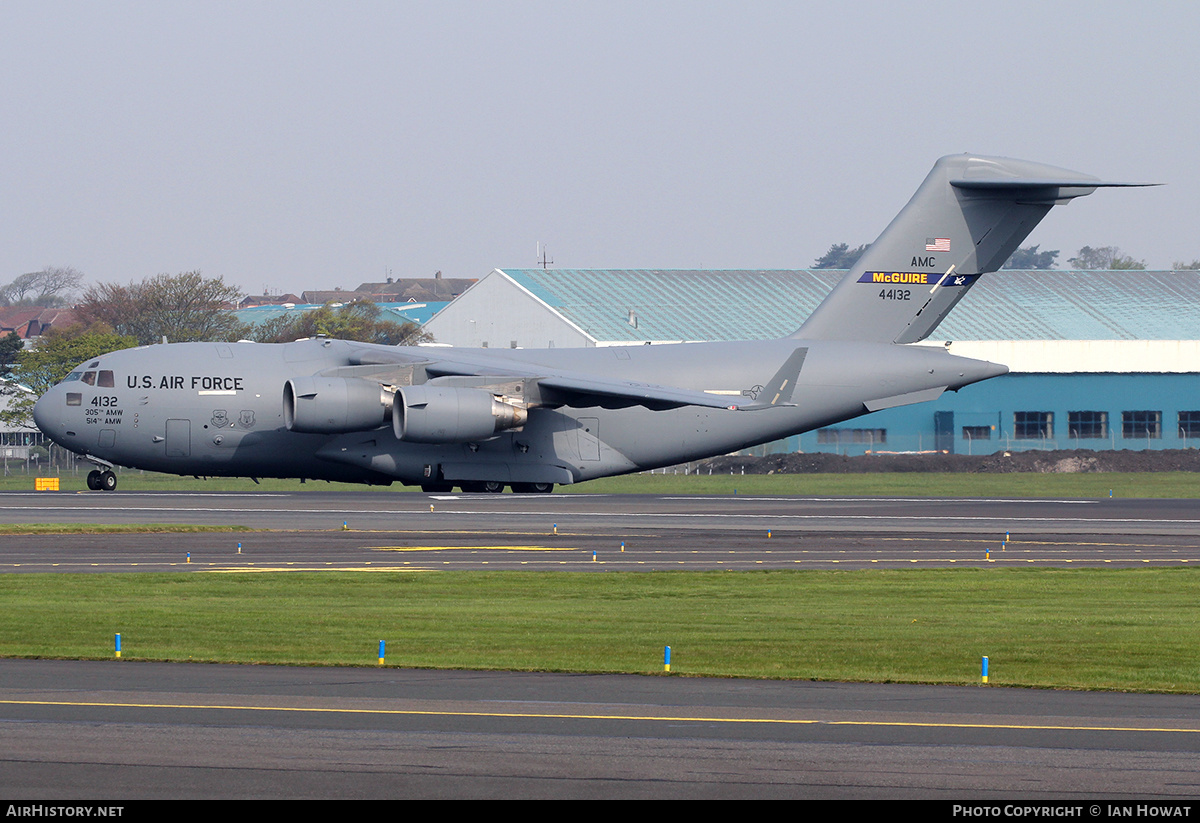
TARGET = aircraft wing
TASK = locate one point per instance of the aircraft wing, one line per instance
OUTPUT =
(561, 388)
(555, 387)
(609, 393)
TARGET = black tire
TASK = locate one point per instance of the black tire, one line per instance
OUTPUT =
(93, 480)
(482, 487)
(108, 481)
(533, 488)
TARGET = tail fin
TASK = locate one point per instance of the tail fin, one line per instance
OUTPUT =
(967, 218)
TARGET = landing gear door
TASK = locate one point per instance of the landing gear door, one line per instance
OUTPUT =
(588, 435)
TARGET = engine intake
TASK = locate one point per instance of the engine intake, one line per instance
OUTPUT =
(334, 405)
(443, 414)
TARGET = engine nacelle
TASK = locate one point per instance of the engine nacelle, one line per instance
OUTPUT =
(443, 414)
(334, 405)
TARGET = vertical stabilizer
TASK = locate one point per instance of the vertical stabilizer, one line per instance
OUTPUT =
(966, 219)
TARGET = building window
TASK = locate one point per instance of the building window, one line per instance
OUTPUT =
(977, 432)
(852, 436)
(1082, 425)
(1030, 425)
(1189, 424)
(1141, 424)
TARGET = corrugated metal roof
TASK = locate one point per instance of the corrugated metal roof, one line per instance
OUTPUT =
(1078, 305)
(672, 304)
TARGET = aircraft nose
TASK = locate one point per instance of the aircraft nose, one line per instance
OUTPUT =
(41, 412)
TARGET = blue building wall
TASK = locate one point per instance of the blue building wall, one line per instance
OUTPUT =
(992, 406)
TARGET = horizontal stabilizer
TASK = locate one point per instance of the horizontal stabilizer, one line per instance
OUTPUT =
(1038, 190)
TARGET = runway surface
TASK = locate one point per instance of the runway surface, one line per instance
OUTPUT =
(374, 531)
(126, 730)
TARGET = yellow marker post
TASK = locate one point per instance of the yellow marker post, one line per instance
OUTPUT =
(667, 659)
(118, 644)
(985, 669)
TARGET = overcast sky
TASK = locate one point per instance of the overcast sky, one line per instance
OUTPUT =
(303, 145)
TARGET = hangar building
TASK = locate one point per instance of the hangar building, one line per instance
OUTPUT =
(1098, 359)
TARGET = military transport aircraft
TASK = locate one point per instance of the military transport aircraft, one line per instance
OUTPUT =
(483, 419)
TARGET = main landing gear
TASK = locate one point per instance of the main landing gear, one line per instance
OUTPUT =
(483, 486)
(488, 487)
(532, 488)
(99, 481)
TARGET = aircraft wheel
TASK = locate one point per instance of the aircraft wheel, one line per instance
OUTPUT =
(108, 481)
(93, 480)
(482, 487)
(533, 488)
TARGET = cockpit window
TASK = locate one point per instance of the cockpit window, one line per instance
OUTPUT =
(72, 377)
(105, 380)
(89, 377)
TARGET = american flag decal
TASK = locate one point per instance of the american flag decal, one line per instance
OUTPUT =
(937, 244)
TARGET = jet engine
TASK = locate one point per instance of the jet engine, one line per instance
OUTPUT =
(335, 405)
(444, 414)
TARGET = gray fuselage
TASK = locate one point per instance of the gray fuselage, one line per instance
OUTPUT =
(218, 409)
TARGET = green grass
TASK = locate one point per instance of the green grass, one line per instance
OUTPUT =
(1116, 629)
(903, 484)
(892, 484)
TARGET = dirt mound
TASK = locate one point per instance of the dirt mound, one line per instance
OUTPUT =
(1063, 461)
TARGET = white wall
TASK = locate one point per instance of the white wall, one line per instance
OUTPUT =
(495, 311)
